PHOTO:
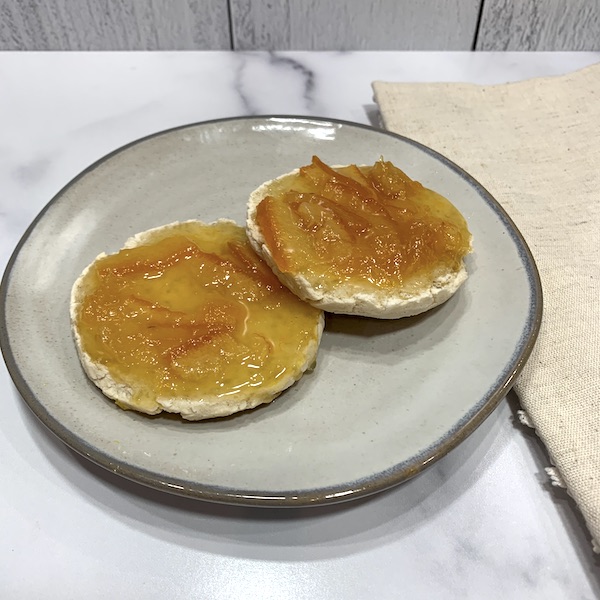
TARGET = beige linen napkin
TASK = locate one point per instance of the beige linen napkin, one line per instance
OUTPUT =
(535, 145)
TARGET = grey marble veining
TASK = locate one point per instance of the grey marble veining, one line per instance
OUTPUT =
(481, 523)
(286, 77)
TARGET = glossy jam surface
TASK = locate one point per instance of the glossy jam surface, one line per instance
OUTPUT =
(369, 225)
(193, 313)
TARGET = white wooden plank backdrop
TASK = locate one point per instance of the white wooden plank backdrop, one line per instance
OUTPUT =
(540, 25)
(354, 24)
(114, 25)
(299, 24)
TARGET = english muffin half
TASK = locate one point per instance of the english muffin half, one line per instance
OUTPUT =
(364, 240)
(187, 319)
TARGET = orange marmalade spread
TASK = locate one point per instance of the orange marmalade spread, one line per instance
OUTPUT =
(191, 313)
(368, 225)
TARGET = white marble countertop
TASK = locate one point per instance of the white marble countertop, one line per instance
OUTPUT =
(483, 522)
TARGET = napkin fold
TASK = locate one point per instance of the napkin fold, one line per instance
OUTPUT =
(535, 145)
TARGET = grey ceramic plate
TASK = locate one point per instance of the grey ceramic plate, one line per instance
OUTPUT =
(387, 397)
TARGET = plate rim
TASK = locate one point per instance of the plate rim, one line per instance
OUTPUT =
(372, 484)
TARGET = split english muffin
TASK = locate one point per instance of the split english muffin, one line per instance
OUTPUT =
(187, 319)
(364, 240)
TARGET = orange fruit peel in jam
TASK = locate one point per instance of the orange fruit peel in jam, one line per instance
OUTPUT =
(353, 229)
(191, 320)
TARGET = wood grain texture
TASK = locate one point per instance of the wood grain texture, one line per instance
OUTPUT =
(114, 25)
(539, 25)
(354, 24)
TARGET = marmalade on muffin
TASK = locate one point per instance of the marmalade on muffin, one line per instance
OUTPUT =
(370, 225)
(194, 312)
